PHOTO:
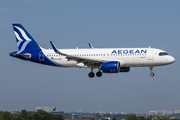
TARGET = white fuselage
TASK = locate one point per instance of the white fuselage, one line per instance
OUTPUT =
(128, 57)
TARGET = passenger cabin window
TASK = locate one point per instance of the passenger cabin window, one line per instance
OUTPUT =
(163, 53)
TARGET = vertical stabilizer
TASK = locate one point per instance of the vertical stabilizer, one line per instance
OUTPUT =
(24, 39)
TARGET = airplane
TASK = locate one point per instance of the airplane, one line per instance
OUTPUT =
(107, 60)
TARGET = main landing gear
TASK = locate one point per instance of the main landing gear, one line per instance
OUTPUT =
(151, 74)
(91, 74)
(98, 74)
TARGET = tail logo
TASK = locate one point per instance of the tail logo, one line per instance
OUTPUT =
(22, 38)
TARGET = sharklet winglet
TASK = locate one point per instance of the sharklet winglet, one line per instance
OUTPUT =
(56, 50)
(90, 45)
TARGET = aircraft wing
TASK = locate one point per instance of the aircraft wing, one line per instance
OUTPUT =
(86, 61)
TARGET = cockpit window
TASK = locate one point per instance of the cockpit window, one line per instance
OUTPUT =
(163, 53)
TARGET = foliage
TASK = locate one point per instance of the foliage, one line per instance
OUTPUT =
(131, 117)
(6, 116)
(114, 118)
(141, 118)
(25, 115)
(39, 115)
(42, 115)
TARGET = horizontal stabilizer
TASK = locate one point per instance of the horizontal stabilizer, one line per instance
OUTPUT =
(26, 55)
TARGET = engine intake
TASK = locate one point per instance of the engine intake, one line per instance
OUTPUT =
(111, 67)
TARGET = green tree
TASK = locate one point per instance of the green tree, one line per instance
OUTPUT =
(30, 116)
(150, 117)
(141, 118)
(38, 116)
(6, 116)
(114, 118)
(46, 115)
(25, 115)
(131, 117)
(56, 117)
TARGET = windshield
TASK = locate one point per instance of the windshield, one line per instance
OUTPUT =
(163, 53)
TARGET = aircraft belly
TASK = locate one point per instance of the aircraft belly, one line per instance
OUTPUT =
(67, 63)
(139, 62)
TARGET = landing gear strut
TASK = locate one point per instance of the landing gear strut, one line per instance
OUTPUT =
(151, 74)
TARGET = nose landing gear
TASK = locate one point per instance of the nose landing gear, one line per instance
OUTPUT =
(151, 74)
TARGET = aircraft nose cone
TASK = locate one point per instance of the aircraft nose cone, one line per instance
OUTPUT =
(172, 59)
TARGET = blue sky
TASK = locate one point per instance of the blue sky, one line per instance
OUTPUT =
(70, 24)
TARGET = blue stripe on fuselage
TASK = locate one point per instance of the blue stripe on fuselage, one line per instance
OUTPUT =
(35, 57)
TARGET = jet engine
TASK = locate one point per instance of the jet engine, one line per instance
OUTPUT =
(124, 69)
(111, 67)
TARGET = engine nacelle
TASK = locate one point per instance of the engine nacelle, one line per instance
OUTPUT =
(124, 69)
(111, 67)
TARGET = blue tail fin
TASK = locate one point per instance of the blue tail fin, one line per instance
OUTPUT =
(24, 39)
